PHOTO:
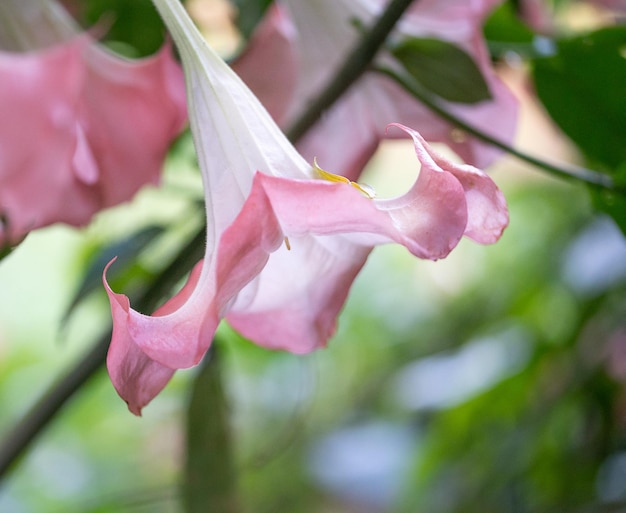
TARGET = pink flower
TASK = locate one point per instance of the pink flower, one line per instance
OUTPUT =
(81, 129)
(321, 34)
(285, 239)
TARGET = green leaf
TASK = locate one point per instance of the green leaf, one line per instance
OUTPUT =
(7, 248)
(249, 14)
(444, 69)
(583, 88)
(126, 252)
(5, 251)
(506, 32)
(505, 25)
(131, 28)
(210, 483)
(613, 203)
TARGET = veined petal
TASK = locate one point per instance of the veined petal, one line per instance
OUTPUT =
(331, 227)
(487, 212)
(144, 348)
(272, 40)
(294, 303)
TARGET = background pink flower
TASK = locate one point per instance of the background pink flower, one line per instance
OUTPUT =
(321, 34)
(82, 129)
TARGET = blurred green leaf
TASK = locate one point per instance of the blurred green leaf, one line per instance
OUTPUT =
(209, 484)
(134, 28)
(6, 249)
(504, 24)
(613, 204)
(125, 251)
(249, 14)
(583, 88)
(505, 32)
(444, 69)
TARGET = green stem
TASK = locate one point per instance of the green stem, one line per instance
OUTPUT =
(588, 176)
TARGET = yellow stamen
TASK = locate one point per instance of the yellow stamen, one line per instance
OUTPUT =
(287, 245)
(367, 190)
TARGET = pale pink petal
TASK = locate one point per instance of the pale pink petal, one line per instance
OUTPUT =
(453, 20)
(173, 336)
(429, 219)
(37, 139)
(145, 349)
(618, 6)
(271, 40)
(294, 303)
(130, 113)
(330, 230)
(537, 15)
(487, 212)
(82, 130)
(138, 377)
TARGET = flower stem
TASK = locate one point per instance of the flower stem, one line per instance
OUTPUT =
(588, 176)
(357, 62)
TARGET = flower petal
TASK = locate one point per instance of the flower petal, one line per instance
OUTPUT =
(138, 361)
(487, 212)
(331, 228)
(150, 93)
(37, 138)
(272, 39)
(64, 154)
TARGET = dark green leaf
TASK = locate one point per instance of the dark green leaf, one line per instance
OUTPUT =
(5, 225)
(134, 28)
(504, 24)
(583, 87)
(444, 69)
(249, 14)
(125, 250)
(209, 484)
(5, 251)
(613, 203)
(505, 32)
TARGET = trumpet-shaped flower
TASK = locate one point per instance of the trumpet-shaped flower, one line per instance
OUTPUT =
(321, 35)
(81, 129)
(285, 238)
